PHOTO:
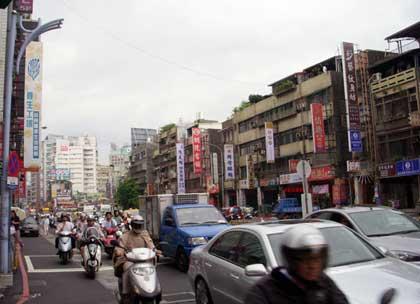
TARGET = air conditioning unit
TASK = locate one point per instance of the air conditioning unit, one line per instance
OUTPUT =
(262, 152)
(377, 76)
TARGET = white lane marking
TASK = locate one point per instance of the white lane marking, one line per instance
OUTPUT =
(56, 270)
(177, 301)
(29, 263)
(178, 294)
(170, 295)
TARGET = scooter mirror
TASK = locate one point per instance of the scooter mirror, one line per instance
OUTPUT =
(388, 296)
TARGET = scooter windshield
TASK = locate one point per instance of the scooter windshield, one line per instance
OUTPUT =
(92, 232)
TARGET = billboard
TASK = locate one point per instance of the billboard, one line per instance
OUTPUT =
(318, 129)
(180, 167)
(352, 106)
(62, 174)
(33, 98)
(196, 141)
(229, 162)
(215, 168)
(269, 142)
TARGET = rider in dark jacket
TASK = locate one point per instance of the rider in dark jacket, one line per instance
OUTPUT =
(304, 253)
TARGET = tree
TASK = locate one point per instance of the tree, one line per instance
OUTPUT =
(254, 98)
(167, 127)
(127, 194)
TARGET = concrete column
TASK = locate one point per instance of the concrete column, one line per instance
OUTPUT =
(357, 192)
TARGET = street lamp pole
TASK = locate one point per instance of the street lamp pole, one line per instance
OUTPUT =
(5, 193)
(222, 169)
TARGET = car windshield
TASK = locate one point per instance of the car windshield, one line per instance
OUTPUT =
(198, 216)
(344, 247)
(29, 220)
(384, 222)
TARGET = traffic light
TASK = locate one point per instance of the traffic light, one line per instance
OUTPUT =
(4, 3)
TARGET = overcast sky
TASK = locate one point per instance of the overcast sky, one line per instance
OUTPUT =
(134, 63)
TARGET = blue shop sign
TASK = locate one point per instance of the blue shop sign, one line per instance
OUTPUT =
(408, 167)
(355, 138)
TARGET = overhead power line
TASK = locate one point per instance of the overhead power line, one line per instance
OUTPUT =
(150, 54)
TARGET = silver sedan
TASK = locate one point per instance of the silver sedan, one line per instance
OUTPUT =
(223, 270)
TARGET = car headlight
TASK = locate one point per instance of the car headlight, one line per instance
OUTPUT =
(406, 256)
(143, 271)
(200, 240)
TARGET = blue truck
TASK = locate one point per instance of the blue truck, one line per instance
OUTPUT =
(181, 222)
(289, 208)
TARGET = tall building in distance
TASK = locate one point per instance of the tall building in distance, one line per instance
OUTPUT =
(141, 136)
(119, 160)
(103, 175)
(70, 158)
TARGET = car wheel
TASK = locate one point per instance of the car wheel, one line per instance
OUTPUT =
(202, 294)
(182, 262)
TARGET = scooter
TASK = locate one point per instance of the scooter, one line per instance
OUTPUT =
(143, 281)
(110, 236)
(92, 252)
(65, 252)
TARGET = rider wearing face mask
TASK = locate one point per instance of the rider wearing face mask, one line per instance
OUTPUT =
(137, 237)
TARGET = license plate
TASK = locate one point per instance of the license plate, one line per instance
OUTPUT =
(26, 231)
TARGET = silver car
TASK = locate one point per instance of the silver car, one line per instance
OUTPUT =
(386, 228)
(223, 270)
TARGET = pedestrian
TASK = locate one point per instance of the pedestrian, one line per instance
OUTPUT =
(15, 220)
(302, 280)
(46, 224)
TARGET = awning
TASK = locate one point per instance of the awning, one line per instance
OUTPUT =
(412, 31)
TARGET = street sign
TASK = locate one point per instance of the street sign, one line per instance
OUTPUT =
(12, 182)
(13, 167)
(303, 169)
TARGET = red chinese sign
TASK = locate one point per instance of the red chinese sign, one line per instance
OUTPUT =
(292, 165)
(24, 6)
(318, 130)
(321, 173)
(196, 141)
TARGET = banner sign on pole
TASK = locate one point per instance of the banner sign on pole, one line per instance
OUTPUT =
(318, 130)
(229, 162)
(269, 142)
(352, 107)
(180, 167)
(33, 98)
(250, 171)
(215, 167)
(196, 141)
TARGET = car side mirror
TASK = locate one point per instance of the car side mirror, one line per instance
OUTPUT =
(388, 296)
(255, 270)
(384, 250)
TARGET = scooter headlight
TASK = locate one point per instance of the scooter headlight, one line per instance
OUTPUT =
(143, 271)
(92, 249)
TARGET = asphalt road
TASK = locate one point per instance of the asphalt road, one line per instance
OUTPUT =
(51, 282)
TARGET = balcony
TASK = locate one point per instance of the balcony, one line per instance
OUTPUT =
(393, 81)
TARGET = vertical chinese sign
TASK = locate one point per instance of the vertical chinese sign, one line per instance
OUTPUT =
(196, 142)
(353, 115)
(215, 168)
(250, 171)
(24, 6)
(180, 167)
(318, 130)
(33, 99)
(269, 142)
(229, 162)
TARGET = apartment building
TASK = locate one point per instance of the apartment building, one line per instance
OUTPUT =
(395, 102)
(261, 183)
(208, 159)
(142, 166)
(230, 188)
(103, 175)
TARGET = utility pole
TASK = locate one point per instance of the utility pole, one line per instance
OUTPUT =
(13, 18)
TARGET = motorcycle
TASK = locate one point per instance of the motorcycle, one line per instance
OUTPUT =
(111, 235)
(143, 283)
(65, 252)
(91, 254)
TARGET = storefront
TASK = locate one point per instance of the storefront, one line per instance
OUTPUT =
(399, 184)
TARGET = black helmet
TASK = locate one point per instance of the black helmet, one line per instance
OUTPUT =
(300, 243)
(137, 223)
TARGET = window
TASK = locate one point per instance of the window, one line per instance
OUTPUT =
(321, 215)
(250, 251)
(226, 246)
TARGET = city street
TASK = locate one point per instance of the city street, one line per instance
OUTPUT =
(51, 282)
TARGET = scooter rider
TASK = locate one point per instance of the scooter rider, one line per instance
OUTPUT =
(109, 222)
(304, 252)
(137, 237)
(91, 223)
(65, 226)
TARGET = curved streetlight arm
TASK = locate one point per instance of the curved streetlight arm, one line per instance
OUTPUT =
(40, 29)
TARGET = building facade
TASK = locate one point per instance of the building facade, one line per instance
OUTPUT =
(142, 166)
(69, 158)
(3, 36)
(119, 160)
(288, 112)
(141, 136)
(103, 176)
(395, 104)
(230, 186)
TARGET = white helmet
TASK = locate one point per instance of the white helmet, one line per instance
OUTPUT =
(299, 243)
